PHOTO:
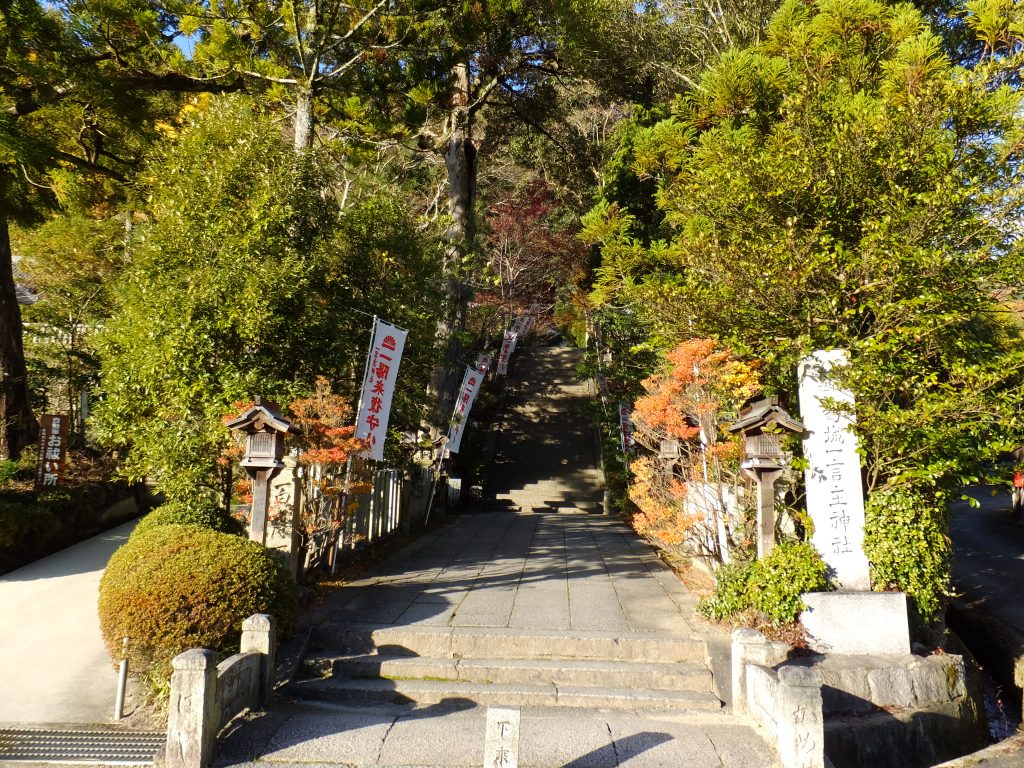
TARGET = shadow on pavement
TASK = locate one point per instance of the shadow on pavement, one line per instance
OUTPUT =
(621, 750)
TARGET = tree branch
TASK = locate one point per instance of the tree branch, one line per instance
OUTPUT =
(173, 81)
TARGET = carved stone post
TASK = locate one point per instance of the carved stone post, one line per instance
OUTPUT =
(192, 716)
(259, 636)
(751, 647)
(801, 723)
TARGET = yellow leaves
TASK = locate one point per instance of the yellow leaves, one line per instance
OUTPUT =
(165, 129)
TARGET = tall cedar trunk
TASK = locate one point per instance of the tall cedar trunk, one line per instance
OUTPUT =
(460, 164)
(19, 427)
(304, 120)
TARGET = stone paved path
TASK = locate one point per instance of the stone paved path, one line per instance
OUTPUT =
(532, 578)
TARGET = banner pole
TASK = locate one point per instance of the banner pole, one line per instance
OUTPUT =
(437, 476)
(348, 465)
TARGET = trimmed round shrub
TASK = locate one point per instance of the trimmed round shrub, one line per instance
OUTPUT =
(201, 512)
(176, 587)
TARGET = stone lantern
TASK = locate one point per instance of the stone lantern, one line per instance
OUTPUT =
(265, 429)
(763, 424)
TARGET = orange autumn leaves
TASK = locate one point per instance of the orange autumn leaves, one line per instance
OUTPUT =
(699, 382)
(700, 390)
(326, 427)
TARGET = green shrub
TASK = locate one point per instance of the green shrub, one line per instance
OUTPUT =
(24, 526)
(732, 592)
(201, 512)
(8, 471)
(176, 587)
(35, 524)
(906, 541)
(772, 586)
(780, 580)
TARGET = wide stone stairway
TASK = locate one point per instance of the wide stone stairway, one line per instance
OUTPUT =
(535, 600)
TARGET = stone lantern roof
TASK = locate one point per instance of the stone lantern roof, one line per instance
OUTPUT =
(763, 413)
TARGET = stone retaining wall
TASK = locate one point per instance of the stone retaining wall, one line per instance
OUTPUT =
(900, 711)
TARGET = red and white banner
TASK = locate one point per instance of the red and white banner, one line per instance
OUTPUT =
(484, 361)
(467, 395)
(626, 427)
(379, 386)
(522, 325)
(507, 346)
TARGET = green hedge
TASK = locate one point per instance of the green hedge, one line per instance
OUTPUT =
(176, 587)
(199, 512)
(35, 524)
(906, 538)
(773, 586)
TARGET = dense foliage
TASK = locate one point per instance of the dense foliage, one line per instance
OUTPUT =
(843, 184)
(211, 202)
(245, 279)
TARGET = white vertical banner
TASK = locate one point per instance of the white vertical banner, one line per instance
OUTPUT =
(507, 346)
(379, 386)
(835, 495)
(467, 395)
(484, 361)
(522, 325)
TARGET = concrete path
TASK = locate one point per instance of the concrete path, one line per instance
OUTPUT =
(54, 667)
(521, 570)
(531, 578)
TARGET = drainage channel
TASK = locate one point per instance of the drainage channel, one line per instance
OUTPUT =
(79, 747)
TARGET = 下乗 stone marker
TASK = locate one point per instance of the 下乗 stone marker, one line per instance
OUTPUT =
(501, 739)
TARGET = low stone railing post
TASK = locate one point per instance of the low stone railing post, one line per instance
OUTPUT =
(751, 647)
(205, 696)
(801, 722)
(192, 713)
(785, 701)
(258, 636)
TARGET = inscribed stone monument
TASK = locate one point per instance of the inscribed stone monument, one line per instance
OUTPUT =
(501, 739)
(835, 497)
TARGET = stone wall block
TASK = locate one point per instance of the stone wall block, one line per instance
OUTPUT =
(939, 679)
(892, 686)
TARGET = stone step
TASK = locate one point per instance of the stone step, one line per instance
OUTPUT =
(560, 506)
(376, 691)
(507, 643)
(544, 501)
(558, 672)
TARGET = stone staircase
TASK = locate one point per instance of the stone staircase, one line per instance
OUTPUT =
(556, 495)
(532, 599)
(500, 666)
